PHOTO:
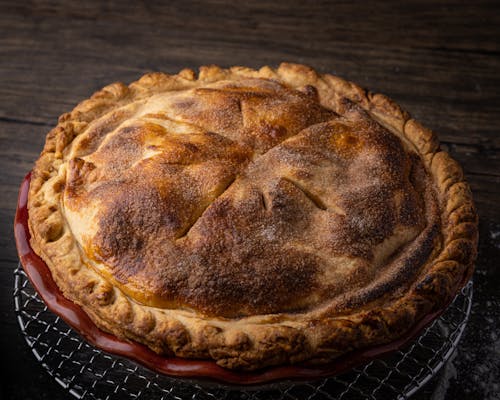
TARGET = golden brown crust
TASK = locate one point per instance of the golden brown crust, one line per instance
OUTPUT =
(252, 217)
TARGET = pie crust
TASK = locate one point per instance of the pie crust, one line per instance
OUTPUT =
(255, 218)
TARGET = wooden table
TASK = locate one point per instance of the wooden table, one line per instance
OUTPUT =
(440, 60)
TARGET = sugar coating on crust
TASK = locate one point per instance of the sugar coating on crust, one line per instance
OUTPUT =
(252, 217)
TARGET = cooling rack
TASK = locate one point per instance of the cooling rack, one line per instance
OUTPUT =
(89, 373)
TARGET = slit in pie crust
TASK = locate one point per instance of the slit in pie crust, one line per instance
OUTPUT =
(255, 218)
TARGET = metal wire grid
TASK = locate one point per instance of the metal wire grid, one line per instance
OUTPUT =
(89, 373)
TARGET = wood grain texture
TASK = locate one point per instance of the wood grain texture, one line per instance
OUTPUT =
(439, 59)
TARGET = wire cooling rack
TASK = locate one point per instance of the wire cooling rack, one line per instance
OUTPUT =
(89, 373)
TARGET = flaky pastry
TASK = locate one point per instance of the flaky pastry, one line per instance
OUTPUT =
(255, 218)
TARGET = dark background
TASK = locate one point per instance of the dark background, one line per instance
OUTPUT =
(439, 60)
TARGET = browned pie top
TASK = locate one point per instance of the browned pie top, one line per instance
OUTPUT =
(252, 217)
(246, 197)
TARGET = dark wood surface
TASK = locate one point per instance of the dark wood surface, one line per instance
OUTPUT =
(440, 60)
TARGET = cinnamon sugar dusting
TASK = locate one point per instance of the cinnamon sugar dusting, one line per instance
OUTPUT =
(248, 197)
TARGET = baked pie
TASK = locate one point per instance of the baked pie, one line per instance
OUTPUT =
(253, 217)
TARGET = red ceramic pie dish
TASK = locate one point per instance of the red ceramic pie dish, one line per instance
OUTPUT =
(41, 278)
